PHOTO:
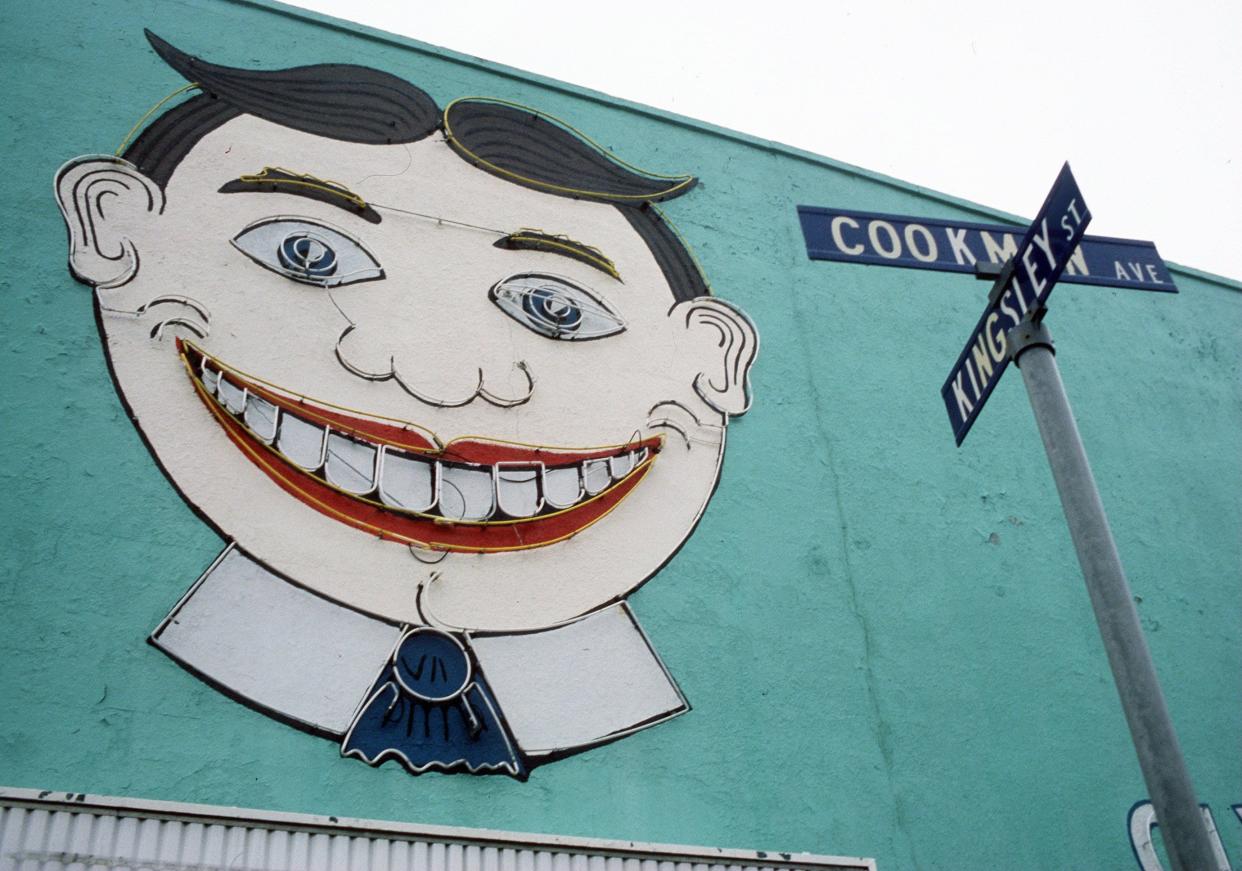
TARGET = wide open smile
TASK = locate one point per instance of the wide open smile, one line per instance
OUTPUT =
(395, 480)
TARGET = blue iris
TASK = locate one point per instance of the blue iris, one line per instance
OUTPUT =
(307, 255)
(547, 306)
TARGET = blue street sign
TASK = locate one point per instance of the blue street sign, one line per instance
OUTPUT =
(956, 246)
(1038, 261)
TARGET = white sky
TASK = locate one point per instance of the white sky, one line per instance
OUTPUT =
(982, 100)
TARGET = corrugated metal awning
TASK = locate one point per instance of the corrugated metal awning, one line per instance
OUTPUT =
(76, 832)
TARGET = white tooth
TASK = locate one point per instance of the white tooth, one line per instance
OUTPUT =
(210, 378)
(595, 476)
(350, 463)
(517, 490)
(300, 442)
(406, 481)
(467, 492)
(562, 487)
(233, 397)
(621, 466)
(260, 416)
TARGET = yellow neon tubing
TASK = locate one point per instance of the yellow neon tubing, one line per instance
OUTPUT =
(684, 244)
(150, 112)
(602, 262)
(304, 180)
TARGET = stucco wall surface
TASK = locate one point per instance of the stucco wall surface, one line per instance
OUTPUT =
(885, 639)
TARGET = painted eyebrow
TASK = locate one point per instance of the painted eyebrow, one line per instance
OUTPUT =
(273, 179)
(537, 240)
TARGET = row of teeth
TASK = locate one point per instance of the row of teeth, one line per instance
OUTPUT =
(411, 482)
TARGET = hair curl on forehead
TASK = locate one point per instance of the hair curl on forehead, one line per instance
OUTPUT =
(354, 103)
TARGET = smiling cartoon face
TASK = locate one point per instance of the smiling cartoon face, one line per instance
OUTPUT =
(419, 390)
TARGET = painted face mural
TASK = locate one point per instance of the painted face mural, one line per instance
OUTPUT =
(448, 383)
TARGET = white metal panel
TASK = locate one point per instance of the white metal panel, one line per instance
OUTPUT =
(598, 674)
(264, 639)
(74, 832)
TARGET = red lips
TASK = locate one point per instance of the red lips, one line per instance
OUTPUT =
(366, 511)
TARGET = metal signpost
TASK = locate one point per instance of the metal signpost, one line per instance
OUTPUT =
(1012, 328)
(1053, 248)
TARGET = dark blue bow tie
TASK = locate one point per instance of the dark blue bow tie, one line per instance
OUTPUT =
(431, 708)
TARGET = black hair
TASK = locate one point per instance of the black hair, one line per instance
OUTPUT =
(359, 104)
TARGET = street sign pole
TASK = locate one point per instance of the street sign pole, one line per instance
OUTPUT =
(1159, 754)
(1015, 311)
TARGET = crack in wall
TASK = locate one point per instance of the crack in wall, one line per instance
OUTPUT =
(881, 731)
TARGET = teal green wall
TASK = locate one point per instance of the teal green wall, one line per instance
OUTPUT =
(885, 639)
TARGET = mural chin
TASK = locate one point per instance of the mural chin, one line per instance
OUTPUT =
(466, 378)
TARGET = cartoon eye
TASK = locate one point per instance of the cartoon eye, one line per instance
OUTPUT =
(308, 251)
(556, 307)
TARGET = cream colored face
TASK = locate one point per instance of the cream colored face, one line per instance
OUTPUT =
(424, 320)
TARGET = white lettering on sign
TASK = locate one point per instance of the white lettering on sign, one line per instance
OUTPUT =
(1013, 316)
(964, 406)
(1142, 823)
(873, 233)
(929, 243)
(1016, 290)
(1065, 219)
(1038, 270)
(837, 223)
(1031, 272)
(974, 382)
(983, 359)
(957, 243)
(1077, 263)
(1134, 271)
(999, 252)
(1043, 243)
(929, 252)
(996, 338)
(1038, 283)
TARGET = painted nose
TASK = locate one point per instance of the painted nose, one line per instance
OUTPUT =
(441, 380)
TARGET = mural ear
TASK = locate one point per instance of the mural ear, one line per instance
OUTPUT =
(106, 203)
(723, 381)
